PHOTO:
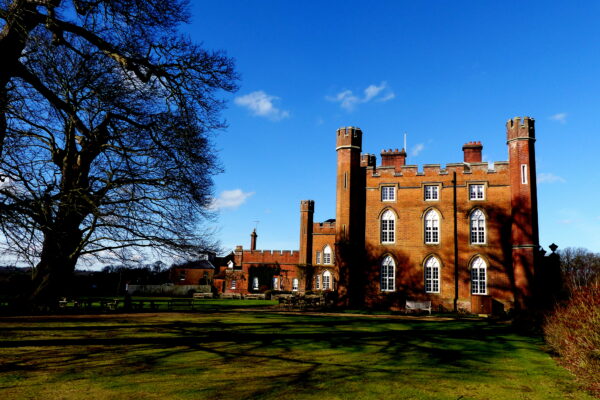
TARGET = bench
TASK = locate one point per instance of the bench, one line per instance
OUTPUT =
(412, 305)
(231, 296)
(254, 296)
(203, 296)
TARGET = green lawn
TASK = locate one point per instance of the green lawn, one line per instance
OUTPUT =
(263, 355)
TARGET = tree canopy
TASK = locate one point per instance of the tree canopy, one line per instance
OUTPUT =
(106, 122)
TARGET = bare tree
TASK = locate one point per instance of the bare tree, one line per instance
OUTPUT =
(138, 34)
(102, 155)
(580, 268)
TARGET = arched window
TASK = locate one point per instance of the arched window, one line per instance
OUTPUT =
(432, 275)
(388, 274)
(478, 276)
(255, 283)
(327, 255)
(477, 227)
(432, 227)
(388, 220)
(326, 280)
(295, 284)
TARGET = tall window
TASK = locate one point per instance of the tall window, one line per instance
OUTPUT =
(477, 227)
(388, 274)
(233, 282)
(432, 192)
(295, 284)
(326, 280)
(432, 227)
(255, 283)
(327, 255)
(478, 276)
(318, 282)
(432, 275)
(387, 227)
(275, 283)
(318, 258)
(476, 192)
(388, 193)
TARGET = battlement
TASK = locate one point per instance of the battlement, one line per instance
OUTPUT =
(349, 137)
(324, 227)
(520, 129)
(307, 205)
(431, 170)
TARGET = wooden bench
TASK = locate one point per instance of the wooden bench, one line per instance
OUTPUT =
(254, 296)
(412, 305)
(231, 296)
(203, 296)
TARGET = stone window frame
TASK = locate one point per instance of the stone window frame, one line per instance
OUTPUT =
(483, 191)
(479, 285)
(438, 191)
(432, 279)
(479, 230)
(385, 277)
(390, 190)
(431, 229)
(385, 231)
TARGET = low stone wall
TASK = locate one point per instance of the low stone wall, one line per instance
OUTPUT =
(167, 290)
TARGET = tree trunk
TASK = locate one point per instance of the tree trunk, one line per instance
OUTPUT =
(54, 272)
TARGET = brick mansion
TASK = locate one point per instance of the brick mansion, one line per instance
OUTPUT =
(464, 236)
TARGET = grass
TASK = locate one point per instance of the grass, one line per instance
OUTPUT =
(265, 355)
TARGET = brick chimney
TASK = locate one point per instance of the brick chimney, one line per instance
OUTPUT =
(472, 151)
(393, 158)
(253, 236)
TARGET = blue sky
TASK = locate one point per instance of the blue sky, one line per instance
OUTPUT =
(445, 72)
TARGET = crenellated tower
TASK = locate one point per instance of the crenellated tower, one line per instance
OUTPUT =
(520, 134)
(349, 211)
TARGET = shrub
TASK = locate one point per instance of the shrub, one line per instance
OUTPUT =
(573, 332)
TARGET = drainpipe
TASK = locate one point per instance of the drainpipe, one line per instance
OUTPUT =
(455, 209)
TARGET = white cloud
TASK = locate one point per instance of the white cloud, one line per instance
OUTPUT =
(560, 117)
(547, 177)
(261, 104)
(230, 199)
(417, 149)
(348, 100)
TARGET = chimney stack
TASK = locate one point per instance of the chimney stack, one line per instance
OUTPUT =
(393, 158)
(253, 236)
(472, 151)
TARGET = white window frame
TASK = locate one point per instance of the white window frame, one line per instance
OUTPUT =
(476, 191)
(432, 192)
(479, 276)
(388, 227)
(233, 284)
(295, 285)
(326, 280)
(432, 227)
(388, 275)
(388, 193)
(318, 258)
(432, 275)
(255, 283)
(318, 282)
(275, 283)
(327, 255)
(477, 227)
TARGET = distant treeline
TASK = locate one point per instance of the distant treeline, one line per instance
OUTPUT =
(110, 280)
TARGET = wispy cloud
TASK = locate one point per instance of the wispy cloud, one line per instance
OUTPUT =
(417, 148)
(230, 199)
(559, 117)
(548, 177)
(348, 100)
(262, 104)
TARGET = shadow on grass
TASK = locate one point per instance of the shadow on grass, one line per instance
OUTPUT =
(272, 351)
